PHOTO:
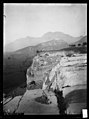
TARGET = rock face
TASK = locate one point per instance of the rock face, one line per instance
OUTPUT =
(69, 72)
(50, 71)
(29, 106)
(43, 63)
(73, 70)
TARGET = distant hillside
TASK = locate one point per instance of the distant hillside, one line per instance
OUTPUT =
(30, 41)
(81, 41)
(20, 44)
(84, 39)
(60, 36)
(52, 45)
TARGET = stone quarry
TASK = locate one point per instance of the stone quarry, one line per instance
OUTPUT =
(52, 71)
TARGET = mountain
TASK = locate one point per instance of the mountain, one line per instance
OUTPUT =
(45, 46)
(30, 41)
(20, 44)
(81, 41)
(52, 45)
(60, 36)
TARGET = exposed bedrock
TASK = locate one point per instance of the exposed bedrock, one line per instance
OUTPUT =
(64, 73)
(70, 71)
(69, 75)
(52, 72)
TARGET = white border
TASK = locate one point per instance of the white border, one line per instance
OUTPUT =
(47, 4)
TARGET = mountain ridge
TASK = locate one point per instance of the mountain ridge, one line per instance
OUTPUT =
(29, 41)
(81, 41)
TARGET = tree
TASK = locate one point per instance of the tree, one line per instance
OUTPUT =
(72, 45)
(37, 51)
(9, 58)
(84, 44)
(79, 44)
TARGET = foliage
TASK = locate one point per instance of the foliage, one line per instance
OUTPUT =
(79, 44)
(84, 44)
(72, 45)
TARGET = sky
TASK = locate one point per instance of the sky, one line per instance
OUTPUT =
(34, 20)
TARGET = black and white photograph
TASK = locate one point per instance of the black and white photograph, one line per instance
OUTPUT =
(45, 59)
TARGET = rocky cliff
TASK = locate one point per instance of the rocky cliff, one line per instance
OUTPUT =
(50, 71)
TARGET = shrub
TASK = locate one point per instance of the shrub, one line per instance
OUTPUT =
(37, 51)
(79, 44)
(72, 45)
(84, 43)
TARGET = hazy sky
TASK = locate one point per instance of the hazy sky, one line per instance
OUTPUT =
(34, 20)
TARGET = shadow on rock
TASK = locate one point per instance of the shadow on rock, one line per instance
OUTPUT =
(43, 100)
(35, 85)
(17, 92)
(76, 96)
(62, 105)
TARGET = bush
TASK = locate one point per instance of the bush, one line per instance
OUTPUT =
(79, 44)
(37, 51)
(72, 45)
(84, 44)
(69, 54)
